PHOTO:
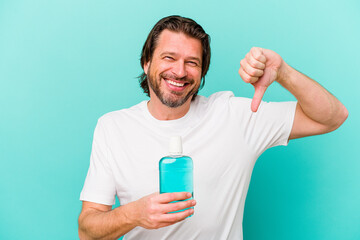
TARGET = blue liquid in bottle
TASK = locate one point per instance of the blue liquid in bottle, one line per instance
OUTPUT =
(176, 171)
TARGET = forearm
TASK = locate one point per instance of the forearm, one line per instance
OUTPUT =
(316, 102)
(96, 224)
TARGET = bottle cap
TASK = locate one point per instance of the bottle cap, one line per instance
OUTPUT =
(175, 145)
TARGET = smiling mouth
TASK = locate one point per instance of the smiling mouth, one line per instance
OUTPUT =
(176, 84)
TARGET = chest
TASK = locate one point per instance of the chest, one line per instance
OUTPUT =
(219, 158)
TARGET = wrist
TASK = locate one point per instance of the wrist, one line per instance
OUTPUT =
(283, 75)
(128, 214)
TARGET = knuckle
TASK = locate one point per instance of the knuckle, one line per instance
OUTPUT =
(151, 199)
(172, 209)
(152, 209)
(185, 205)
(178, 206)
(186, 214)
(252, 71)
(242, 62)
(262, 59)
(255, 63)
(172, 218)
(252, 80)
(260, 65)
(256, 52)
(151, 219)
(172, 196)
(189, 211)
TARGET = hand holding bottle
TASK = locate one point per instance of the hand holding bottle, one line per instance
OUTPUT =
(152, 211)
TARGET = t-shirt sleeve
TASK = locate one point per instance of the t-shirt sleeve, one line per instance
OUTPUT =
(268, 127)
(99, 186)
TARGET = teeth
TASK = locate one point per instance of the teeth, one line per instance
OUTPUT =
(175, 83)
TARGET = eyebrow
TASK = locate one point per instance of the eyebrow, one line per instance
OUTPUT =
(175, 54)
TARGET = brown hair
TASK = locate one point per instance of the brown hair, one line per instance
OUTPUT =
(176, 24)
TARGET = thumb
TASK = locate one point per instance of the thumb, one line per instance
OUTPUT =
(258, 95)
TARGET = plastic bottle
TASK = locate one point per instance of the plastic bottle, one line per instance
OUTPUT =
(176, 170)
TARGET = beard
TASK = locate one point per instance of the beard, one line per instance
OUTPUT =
(173, 99)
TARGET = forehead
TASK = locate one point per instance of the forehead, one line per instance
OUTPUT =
(179, 43)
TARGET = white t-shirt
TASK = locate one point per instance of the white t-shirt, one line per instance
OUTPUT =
(222, 136)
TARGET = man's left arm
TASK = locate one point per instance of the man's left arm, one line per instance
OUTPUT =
(317, 111)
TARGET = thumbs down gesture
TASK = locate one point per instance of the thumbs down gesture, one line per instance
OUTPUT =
(260, 67)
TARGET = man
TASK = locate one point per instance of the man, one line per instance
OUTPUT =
(223, 134)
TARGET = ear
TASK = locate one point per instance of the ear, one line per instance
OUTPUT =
(146, 67)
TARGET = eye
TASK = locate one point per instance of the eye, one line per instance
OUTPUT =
(192, 63)
(168, 58)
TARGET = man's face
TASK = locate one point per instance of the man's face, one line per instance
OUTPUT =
(174, 72)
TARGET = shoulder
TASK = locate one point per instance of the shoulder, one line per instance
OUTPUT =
(219, 104)
(218, 96)
(122, 115)
(241, 106)
(223, 98)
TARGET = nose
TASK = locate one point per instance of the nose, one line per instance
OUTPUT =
(179, 69)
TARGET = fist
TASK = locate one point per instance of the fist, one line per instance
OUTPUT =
(260, 67)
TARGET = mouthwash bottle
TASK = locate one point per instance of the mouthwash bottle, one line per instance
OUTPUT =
(176, 170)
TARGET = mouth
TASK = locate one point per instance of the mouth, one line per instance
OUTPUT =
(175, 85)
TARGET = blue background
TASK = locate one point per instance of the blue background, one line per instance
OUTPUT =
(65, 63)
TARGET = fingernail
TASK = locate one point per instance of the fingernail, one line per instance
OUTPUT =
(188, 195)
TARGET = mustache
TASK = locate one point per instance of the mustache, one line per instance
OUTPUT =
(173, 76)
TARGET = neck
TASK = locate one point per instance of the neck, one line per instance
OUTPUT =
(162, 112)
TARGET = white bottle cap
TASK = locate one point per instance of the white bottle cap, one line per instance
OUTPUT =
(175, 145)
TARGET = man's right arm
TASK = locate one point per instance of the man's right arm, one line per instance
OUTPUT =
(98, 221)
